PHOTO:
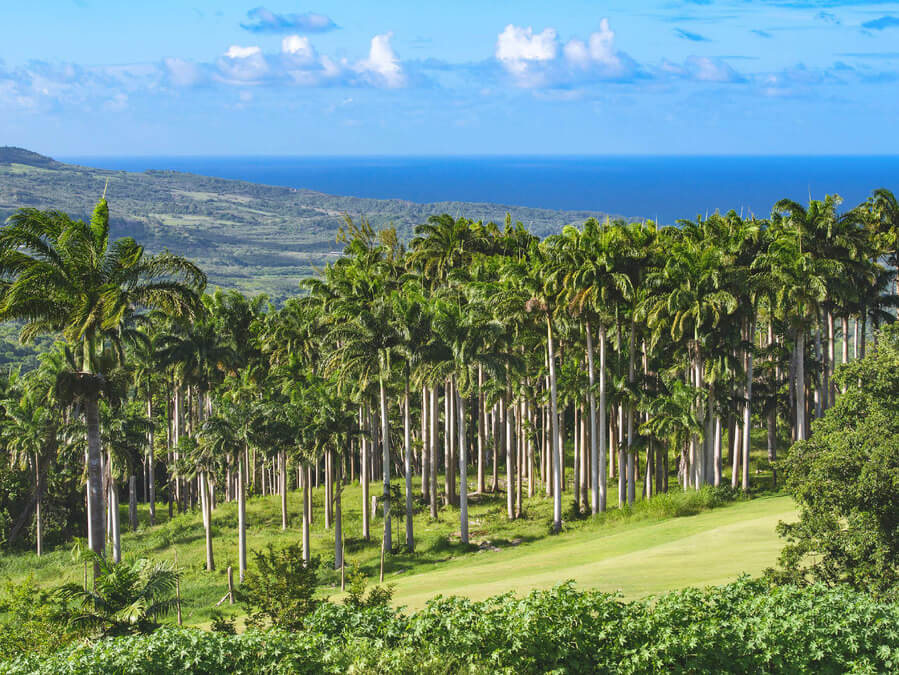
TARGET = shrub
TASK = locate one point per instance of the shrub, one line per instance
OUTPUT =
(280, 591)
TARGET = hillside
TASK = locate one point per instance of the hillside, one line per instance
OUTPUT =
(255, 238)
(672, 541)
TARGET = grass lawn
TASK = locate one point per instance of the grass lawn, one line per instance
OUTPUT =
(668, 542)
(635, 558)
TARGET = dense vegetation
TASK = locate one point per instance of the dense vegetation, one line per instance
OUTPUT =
(744, 627)
(601, 363)
(845, 479)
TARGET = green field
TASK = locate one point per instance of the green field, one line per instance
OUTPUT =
(637, 559)
(671, 541)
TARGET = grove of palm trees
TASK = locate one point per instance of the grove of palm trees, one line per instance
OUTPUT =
(473, 374)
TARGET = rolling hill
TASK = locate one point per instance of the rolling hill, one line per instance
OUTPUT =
(255, 238)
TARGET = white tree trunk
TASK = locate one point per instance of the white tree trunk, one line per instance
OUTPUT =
(283, 477)
(556, 438)
(463, 468)
(307, 516)
(747, 420)
(800, 384)
(407, 441)
(594, 450)
(482, 435)
(365, 421)
(432, 421)
(241, 516)
(385, 446)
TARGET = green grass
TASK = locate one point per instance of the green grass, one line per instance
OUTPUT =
(671, 541)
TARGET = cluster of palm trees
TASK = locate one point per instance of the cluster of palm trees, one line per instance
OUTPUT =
(471, 348)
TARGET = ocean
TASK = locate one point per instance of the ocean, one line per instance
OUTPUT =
(660, 188)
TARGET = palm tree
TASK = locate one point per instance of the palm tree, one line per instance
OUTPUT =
(128, 597)
(64, 276)
(30, 436)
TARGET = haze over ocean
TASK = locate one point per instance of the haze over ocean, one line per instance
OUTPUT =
(660, 188)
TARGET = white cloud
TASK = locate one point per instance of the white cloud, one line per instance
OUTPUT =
(705, 69)
(382, 65)
(517, 46)
(534, 61)
(238, 52)
(243, 65)
(600, 49)
(298, 47)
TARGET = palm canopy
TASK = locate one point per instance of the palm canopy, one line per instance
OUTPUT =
(65, 276)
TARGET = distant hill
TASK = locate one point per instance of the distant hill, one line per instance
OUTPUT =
(13, 155)
(256, 238)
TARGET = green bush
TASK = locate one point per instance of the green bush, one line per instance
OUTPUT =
(743, 627)
(30, 619)
(280, 590)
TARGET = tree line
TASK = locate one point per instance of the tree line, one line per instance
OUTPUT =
(597, 363)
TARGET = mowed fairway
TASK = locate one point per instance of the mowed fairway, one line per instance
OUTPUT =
(637, 559)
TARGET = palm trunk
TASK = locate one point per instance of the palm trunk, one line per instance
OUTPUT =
(38, 519)
(338, 521)
(603, 427)
(241, 516)
(506, 414)
(307, 512)
(329, 490)
(407, 440)
(829, 365)
(205, 505)
(364, 475)
(385, 446)
(556, 438)
(482, 435)
(432, 421)
(631, 468)
(132, 502)
(283, 459)
(114, 521)
(594, 451)
(800, 384)
(425, 449)
(96, 520)
(747, 417)
(463, 468)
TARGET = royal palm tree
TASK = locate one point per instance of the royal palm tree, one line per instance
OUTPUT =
(64, 276)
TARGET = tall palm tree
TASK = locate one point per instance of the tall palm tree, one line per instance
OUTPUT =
(65, 276)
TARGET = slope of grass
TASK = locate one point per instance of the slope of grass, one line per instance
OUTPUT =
(637, 558)
(641, 550)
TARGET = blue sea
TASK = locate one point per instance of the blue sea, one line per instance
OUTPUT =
(661, 188)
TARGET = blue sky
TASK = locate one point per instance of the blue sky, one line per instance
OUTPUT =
(103, 77)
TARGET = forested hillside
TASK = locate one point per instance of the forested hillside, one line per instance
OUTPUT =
(254, 238)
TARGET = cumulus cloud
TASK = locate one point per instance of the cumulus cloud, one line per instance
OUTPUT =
(238, 52)
(262, 20)
(382, 65)
(243, 65)
(297, 46)
(517, 47)
(541, 60)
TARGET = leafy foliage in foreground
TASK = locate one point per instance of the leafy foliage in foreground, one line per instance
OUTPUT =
(127, 597)
(744, 627)
(845, 479)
